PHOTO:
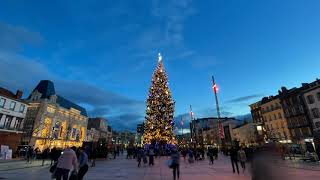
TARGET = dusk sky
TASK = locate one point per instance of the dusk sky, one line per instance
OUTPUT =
(101, 54)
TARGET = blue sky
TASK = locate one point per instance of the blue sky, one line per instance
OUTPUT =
(101, 54)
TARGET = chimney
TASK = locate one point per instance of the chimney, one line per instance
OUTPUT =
(19, 94)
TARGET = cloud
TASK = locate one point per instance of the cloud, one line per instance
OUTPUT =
(126, 121)
(28, 72)
(12, 38)
(243, 117)
(244, 98)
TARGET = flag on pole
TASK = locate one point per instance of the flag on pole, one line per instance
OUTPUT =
(221, 130)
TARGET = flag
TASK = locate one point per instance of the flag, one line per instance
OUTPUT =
(221, 130)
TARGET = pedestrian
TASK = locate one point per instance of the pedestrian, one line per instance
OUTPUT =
(30, 154)
(210, 154)
(144, 157)
(93, 157)
(234, 159)
(44, 155)
(66, 162)
(215, 152)
(140, 156)
(175, 163)
(190, 154)
(151, 156)
(83, 164)
(114, 153)
(242, 158)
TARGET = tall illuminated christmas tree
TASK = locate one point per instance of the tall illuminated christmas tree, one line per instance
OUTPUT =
(159, 123)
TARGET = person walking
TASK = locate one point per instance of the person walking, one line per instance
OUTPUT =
(140, 156)
(44, 155)
(30, 155)
(93, 157)
(210, 154)
(242, 158)
(190, 154)
(234, 159)
(83, 164)
(66, 162)
(151, 156)
(175, 158)
(144, 157)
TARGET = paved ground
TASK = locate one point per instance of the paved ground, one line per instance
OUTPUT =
(127, 169)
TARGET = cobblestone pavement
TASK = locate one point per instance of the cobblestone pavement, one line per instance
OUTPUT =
(122, 168)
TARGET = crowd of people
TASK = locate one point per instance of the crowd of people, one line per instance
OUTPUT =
(74, 162)
(146, 155)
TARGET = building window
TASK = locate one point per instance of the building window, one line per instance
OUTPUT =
(22, 108)
(17, 124)
(7, 122)
(317, 124)
(318, 96)
(280, 116)
(310, 99)
(274, 116)
(2, 102)
(315, 113)
(12, 105)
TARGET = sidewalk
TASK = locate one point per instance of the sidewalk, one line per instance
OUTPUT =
(21, 164)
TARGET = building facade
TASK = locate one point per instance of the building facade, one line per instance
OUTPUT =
(274, 120)
(139, 134)
(256, 114)
(246, 134)
(99, 132)
(295, 112)
(205, 131)
(12, 116)
(312, 100)
(53, 121)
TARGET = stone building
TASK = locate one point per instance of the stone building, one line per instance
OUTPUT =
(312, 100)
(255, 109)
(274, 120)
(205, 131)
(53, 121)
(295, 112)
(99, 131)
(12, 116)
(246, 134)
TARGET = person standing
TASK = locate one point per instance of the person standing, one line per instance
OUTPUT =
(242, 158)
(83, 164)
(151, 156)
(234, 159)
(66, 162)
(175, 158)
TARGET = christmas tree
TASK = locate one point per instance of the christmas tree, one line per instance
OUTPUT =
(160, 108)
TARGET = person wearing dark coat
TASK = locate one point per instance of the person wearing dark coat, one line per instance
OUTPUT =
(234, 159)
(93, 157)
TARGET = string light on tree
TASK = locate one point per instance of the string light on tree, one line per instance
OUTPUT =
(160, 108)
